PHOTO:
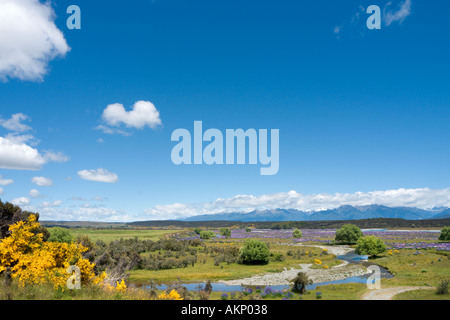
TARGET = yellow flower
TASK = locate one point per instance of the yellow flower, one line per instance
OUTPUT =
(121, 287)
(317, 261)
(173, 295)
(325, 267)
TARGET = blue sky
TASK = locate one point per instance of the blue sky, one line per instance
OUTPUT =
(362, 114)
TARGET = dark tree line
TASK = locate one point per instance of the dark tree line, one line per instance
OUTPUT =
(11, 214)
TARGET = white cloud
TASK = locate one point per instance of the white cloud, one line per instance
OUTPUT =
(1, 191)
(15, 123)
(399, 15)
(18, 151)
(55, 156)
(424, 198)
(100, 175)
(53, 204)
(34, 193)
(22, 201)
(101, 214)
(143, 114)
(29, 39)
(5, 182)
(82, 213)
(18, 155)
(42, 181)
(22, 138)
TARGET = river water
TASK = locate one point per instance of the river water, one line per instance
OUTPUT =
(351, 257)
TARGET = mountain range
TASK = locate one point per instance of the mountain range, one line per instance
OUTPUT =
(344, 212)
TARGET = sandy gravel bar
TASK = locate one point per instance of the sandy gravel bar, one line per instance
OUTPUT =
(339, 272)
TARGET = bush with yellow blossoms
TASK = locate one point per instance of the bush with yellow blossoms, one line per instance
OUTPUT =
(34, 261)
(173, 295)
(121, 287)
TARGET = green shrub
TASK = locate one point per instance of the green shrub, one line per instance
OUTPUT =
(197, 230)
(445, 234)
(254, 252)
(58, 234)
(370, 245)
(276, 257)
(300, 283)
(348, 234)
(205, 234)
(226, 232)
(442, 288)
(297, 234)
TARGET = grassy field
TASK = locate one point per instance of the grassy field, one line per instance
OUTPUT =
(108, 235)
(421, 295)
(411, 269)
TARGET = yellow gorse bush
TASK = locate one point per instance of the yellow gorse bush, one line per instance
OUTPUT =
(121, 287)
(35, 261)
(173, 295)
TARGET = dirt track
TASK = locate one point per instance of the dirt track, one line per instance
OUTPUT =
(388, 293)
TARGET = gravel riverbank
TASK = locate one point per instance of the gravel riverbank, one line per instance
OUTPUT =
(284, 277)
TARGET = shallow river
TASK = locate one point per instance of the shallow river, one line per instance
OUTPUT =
(350, 257)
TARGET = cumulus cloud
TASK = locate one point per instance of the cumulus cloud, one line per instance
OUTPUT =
(42, 181)
(34, 193)
(29, 39)
(22, 201)
(18, 155)
(5, 182)
(15, 122)
(142, 114)
(18, 151)
(397, 16)
(423, 198)
(100, 175)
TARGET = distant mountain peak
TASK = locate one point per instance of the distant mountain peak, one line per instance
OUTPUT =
(344, 212)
